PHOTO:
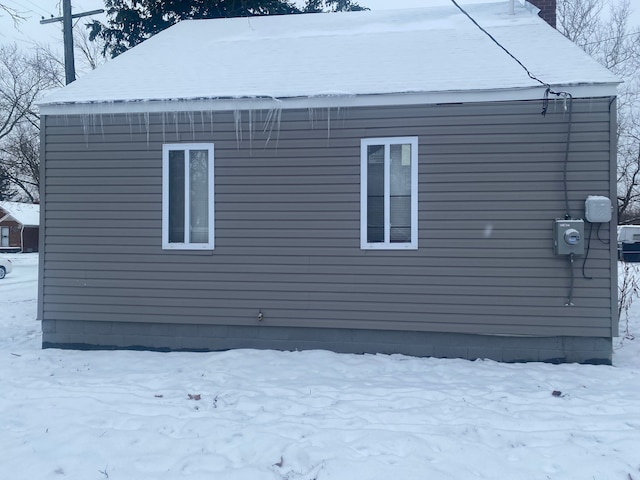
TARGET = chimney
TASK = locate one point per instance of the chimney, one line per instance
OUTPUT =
(547, 10)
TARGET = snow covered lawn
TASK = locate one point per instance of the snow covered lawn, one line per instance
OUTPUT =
(253, 415)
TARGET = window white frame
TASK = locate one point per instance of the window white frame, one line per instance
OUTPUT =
(387, 244)
(187, 244)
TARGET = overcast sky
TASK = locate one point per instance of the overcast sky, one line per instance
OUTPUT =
(30, 30)
(33, 10)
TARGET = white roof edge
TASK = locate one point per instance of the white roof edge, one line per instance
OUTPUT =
(323, 101)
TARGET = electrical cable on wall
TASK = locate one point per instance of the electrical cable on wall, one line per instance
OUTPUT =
(586, 253)
(568, 107)
(571, 278)
(602, 240)
(568, 98)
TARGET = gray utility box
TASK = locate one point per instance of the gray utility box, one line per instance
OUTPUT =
(597, 209)
(568, 237)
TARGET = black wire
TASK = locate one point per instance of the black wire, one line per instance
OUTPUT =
(545, 105)
(586, 254)
(605, 242)
(611, 38)
(566, 158)
(570, 299)
(531, 75)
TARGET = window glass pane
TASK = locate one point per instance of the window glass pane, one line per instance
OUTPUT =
(176, 196)
(199, 196)
(375, 193)
(400, 193)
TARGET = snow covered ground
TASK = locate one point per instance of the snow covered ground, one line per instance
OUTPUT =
(249, 414)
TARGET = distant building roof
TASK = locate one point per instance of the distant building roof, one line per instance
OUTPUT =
(26, 214)
(430, 50)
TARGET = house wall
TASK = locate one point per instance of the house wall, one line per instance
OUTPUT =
(287, 234)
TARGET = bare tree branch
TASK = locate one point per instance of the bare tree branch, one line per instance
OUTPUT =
(23, 79)
(90, 50)
(14, 14)
(19, 161)
(608, 37)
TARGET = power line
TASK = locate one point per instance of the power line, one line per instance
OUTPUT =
(545, 105)
(531, 75)
(35, 8)
(611, 38)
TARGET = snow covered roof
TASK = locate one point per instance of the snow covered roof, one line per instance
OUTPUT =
(25, 213)
(429, 50)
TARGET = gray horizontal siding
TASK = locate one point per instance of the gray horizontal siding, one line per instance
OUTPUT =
(287, 221)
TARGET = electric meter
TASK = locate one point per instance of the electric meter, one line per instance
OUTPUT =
(568, 237)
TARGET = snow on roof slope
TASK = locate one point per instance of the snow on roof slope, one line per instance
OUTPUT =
(431, 49)
(25, 213)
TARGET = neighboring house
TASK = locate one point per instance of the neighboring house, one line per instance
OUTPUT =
(361, 182)
(19, 227)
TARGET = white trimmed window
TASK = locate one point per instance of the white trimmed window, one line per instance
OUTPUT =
(389, 193)
(187, 196)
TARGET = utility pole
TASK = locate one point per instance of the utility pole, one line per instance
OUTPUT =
(67, 35)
